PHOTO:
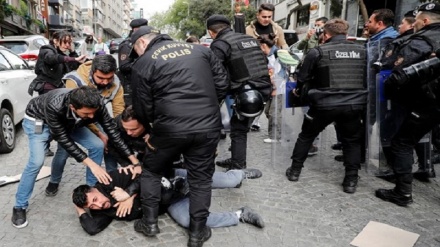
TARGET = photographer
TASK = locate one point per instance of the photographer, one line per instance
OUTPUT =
(417, 94)
(312, 38)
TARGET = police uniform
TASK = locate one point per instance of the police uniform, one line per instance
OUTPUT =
(125, 61)
(333, 79)
(178, 90)
(246, 64)
(420, 99)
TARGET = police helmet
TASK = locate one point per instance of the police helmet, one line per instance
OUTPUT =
(248, 102)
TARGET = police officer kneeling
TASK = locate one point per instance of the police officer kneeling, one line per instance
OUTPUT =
(332, 78)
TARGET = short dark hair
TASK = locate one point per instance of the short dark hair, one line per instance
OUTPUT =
(128, 114)
(323, 19)
(336, 27)
(218, 27)
(192, 39)
(79, 196)
(85, 96)
(104, 63)
(267, 7)
(384, 15)
(268, 39)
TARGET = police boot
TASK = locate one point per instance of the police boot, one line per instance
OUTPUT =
(350, 181)
(426, 169)
(148, 223)
(401, 195)
(293, 172)
(231, 164)
(199, 232)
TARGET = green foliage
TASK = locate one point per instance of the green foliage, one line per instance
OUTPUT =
(23, 10)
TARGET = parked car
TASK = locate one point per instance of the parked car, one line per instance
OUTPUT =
(26, 46)
(290, 36)
(206, 41)
(114, 45)
(15, 77)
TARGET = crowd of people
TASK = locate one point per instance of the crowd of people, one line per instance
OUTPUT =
(156, 121)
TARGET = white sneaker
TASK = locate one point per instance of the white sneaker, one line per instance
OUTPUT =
(268, 140)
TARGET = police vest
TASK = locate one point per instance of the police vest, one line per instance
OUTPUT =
(247, 61)
(432, 36)
(74, 76)
(342, 65)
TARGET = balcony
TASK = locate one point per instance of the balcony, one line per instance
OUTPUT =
(20, 22)
(55, 2)
(56, 20)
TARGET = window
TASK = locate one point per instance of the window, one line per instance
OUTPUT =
(39, 43)
(14, 60)
(335, 9)
(303, 16)
(4, 65)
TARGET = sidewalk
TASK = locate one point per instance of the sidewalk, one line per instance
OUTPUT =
(312, 212)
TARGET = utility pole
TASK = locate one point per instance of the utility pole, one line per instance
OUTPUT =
(94, 17)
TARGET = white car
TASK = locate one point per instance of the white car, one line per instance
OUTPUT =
(15, 77)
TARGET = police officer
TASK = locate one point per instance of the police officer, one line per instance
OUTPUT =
(125, 61)
(420, 99)
(178, 89)
(247, 65)
(333, 80)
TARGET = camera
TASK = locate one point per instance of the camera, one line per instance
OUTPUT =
(318, 31)
(424, 71)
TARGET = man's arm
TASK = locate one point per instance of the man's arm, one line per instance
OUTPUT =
(220, 76)
(95, 224)
(221, 49)
(281, 43)
(305, 74)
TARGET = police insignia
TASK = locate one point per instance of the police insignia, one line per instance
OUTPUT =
(123, 57)
(430, 6)
(389, 53)
(398, 61)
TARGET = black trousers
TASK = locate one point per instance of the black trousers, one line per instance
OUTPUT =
(349, 122)
(239, 130)
(199, 153)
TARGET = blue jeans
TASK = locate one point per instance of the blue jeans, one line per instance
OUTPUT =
(88, 140)
(37, 145)
(179, 210)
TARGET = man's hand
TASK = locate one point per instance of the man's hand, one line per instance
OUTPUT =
(135, 170)
(81, 59)
(310, 33)
(124, 208)
(119, 194)
(100, 173)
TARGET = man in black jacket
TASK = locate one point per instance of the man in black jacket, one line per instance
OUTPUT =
(59, 113)
(125, 61)
(333, 80)
(247, 66)
(178, 90)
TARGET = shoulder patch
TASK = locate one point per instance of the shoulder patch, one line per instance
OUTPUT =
(123, 57)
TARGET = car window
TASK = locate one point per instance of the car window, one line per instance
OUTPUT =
(15, 46)
(39, 43)
(4, 65)
(16, 62)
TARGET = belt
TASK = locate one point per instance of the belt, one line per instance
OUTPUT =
(29, 117)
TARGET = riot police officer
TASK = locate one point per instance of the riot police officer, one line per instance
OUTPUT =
(332, 78)
(125, 61)
(247, 67)
(418, 96)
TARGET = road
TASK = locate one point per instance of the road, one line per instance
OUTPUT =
(311, 212)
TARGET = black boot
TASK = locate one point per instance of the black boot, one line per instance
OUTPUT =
(350, 183)
(426, 169)
(292, 173)
(401, 195)
(199, 233)
(148, 224)
(231, 164)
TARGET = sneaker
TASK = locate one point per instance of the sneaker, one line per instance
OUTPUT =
(292, 173)
(251, 217)
(252, 173)
(51, 189)
(268, 140)
(394, 197)
(49, 153)
(19, 218)
(149, 230)
(231, 164)
(198, 238)
(350, 183)
(255, 127)
(337, 146)
(313, 150)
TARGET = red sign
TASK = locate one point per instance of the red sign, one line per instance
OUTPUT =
(43, 7)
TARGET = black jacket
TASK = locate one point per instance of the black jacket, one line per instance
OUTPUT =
(178, 87)
(52, 65)
(53, 108)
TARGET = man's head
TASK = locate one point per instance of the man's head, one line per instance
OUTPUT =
(216, 23)
(427, 14)
(103, 70)
(407, 22)
(85, 196)
(135, 24)
(265, 14)
(379, 20)
(319, 23)
(85, 101)
(130, 123)
(335, 27)
(141, 38)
